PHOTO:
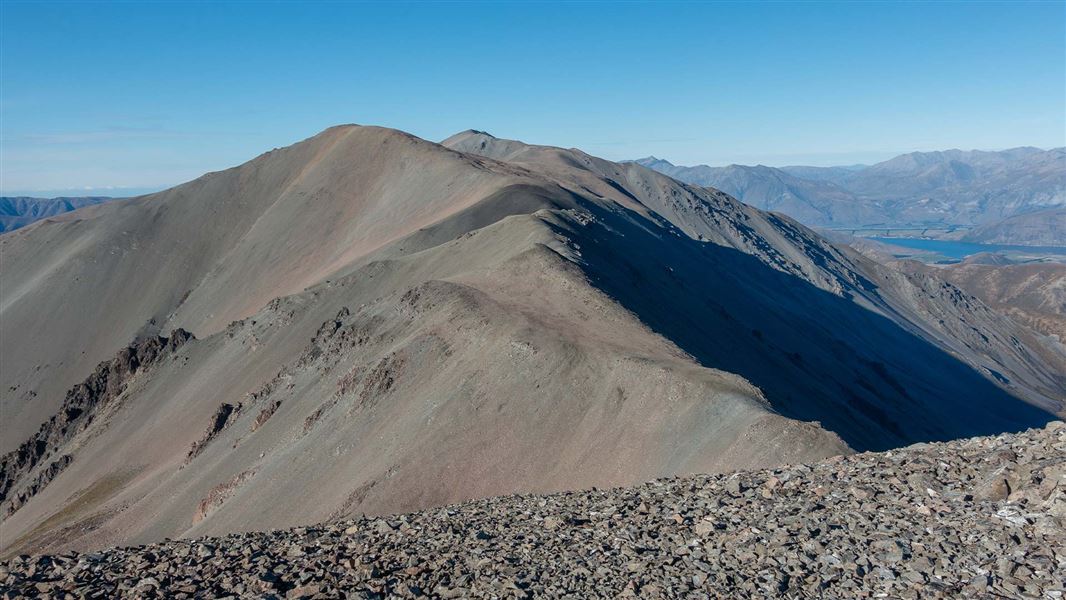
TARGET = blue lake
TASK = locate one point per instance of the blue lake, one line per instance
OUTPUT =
(961, 250)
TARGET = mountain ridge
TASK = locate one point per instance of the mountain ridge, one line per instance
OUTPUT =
(383, 323)
(1040, 228)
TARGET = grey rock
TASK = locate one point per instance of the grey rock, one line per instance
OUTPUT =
(848, 527)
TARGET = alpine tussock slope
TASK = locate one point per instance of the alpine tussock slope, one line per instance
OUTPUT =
(385, 324)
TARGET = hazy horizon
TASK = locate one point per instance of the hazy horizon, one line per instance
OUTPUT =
(129, 191)
(779, 84)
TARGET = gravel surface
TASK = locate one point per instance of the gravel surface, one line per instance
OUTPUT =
(973, 518)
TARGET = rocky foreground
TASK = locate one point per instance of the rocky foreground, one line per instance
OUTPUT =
(973, 518)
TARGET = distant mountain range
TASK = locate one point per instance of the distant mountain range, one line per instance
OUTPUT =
(19, 211)
(947, 189)
(920, 189)
(1040, 228)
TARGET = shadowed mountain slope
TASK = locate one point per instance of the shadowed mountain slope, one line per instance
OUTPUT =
(384, 324)
(915, 303)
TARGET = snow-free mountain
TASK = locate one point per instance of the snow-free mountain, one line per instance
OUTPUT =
(1040, 228)
(920, 189)
(369, 322)
(19, 211)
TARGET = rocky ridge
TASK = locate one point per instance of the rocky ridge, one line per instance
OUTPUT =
(982, 517)
(80, 407)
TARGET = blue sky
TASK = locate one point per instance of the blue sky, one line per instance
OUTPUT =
(99, 98)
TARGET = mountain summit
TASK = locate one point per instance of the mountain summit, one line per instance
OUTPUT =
(657, 164)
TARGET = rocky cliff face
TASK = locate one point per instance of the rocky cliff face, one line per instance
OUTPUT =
(20, 477)
(979, 518)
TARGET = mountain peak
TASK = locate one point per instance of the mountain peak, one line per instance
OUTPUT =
(653, 162)
(469, 133)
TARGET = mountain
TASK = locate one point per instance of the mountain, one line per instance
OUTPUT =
(1040, 228)
(817, 202)
(971, 187)
(368, 322)
(830, 174)
(19, 211)
(921, 189)
(1033, 294)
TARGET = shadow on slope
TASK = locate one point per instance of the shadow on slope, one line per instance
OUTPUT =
(815, 355)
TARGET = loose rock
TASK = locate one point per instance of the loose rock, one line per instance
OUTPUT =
(921, 522)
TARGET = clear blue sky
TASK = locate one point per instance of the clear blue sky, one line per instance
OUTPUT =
(146, 95)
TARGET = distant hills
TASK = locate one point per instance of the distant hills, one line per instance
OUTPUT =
(1040, 228)
(811, 201)
(920, 189)
(20, 211)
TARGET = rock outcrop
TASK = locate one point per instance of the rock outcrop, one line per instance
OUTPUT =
(80, 407)
(223, 417)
